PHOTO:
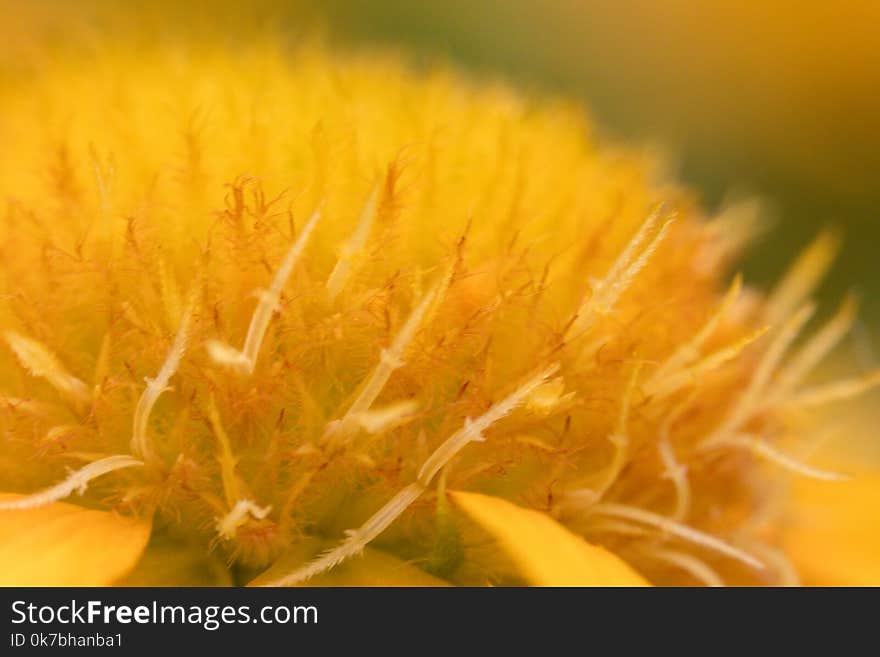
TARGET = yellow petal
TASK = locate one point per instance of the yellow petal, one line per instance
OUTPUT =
(372, 568)
(169, 563)
(834, 533)
(66, 545)
(546, 553)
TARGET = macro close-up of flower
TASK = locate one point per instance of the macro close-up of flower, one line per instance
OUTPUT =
(276, 313)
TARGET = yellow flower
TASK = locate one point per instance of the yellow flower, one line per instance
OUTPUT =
(256, 295)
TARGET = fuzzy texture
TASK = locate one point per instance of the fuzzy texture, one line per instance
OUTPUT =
(428, 279)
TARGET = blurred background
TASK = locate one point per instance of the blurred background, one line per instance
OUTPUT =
(779, 99)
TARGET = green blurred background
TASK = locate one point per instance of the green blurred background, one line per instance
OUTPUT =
(776, 99)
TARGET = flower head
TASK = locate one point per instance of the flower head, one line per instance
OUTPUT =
(254, 298)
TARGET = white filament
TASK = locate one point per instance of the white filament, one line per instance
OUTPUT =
(697, 568)
(813, 351)
(690, 350)
(473, 429)
(773, 454)
(380, 419)
(140, 444)
(675, 380)
(246, 359)
(229, 524)
(391, 359)
(677, 474)
(752, 397)
(359, 538)
(77, 481)
(677, 529)
(41, 362)
(355, 244)
(606, 291)
(836, 391)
